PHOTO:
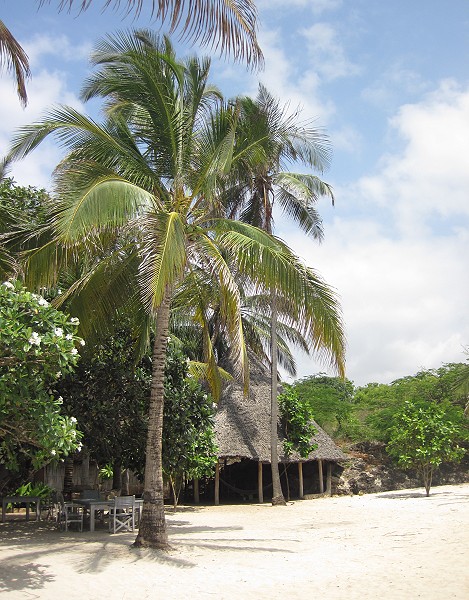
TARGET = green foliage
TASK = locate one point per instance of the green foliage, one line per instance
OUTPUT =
(422, 437)
(37, 346)
(331, 402)
(106, 472)
(108, 394)
(297, 417)
(40, 490)
(21, 209)
(188, 436)
(377, 404)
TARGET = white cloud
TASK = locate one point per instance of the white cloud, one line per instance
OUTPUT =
(327, 52)
(41, 46)
(430, 178)
(317, 6)
(402, 280)
(298, 89)
(386, 91)
(45, 90)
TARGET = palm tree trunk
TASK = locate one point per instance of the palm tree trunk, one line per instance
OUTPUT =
(152, 531)
(277, 494)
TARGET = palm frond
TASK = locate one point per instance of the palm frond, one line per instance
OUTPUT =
(15, 59)
(226, 25)
(164, 255)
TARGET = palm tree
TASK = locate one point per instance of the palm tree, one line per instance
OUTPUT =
(227, 25)
(272, 139)
(15, 59)
(137, 196)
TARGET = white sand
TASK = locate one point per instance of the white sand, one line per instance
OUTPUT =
(395, 545)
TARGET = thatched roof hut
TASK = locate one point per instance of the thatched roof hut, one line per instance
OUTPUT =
(242, 426)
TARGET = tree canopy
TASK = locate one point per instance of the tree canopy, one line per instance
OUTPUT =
(38, 345)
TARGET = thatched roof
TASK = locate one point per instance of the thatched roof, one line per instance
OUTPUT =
(242, 426)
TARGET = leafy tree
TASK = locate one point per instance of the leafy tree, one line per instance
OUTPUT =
(421, 438)
(37, 346)
(21, 208)
(376, 404)
(331, 400)
(108, 394)
(139, 197)
(189, 449)
(297, 417)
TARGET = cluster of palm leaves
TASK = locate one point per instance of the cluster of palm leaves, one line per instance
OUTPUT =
(163, 211)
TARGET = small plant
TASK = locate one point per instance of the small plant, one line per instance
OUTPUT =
(41, 490)
(106, 472)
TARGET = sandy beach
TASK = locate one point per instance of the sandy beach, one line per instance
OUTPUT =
(393, 545)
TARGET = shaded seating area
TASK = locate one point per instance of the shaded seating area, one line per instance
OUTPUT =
(242, 433)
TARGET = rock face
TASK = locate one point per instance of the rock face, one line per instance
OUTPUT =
(370, 470)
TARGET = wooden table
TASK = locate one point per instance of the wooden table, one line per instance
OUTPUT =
(24, 500)
(95, 505)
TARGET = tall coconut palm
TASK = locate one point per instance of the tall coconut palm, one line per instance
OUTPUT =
(273, 140)
(138, 197)
(15, 59)
(226, 25)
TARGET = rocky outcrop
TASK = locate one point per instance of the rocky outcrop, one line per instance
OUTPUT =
(370, 470)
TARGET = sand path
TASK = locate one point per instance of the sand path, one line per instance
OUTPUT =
(395, 545)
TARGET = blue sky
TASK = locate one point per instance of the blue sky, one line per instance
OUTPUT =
(389, 81)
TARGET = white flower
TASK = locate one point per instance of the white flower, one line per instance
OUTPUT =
(79, 447)
(8, 285)
(205, 396)
(53, 452)
(35, 339)
(58, 331)
(82, 342)
(74, 321)
(74, 351)
(60, 400)
(58, 374)
(73, 420)
(42, 301)
(69, 336)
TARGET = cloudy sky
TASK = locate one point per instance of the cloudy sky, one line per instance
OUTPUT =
(389, 81)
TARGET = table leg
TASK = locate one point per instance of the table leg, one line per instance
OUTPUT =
(38, 510)
(4, 507)
(92, 518)
(27, 511)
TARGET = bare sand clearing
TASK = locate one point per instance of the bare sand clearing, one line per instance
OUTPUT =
(394, 545)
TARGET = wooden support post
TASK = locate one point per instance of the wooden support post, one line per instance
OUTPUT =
(321, 480)
(196, 491)
(329, 479)
(217, 484)
(300, 480)
(260, 485)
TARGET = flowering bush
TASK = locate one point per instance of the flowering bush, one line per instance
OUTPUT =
(37, 346)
